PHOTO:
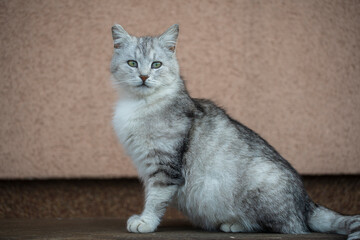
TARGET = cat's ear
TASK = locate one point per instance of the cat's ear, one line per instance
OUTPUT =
(120, 36)
(169, 37)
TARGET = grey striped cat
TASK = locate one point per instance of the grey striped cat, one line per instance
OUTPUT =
(190, 153)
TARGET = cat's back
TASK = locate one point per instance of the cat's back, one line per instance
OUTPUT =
(220, 146)
(215, 129)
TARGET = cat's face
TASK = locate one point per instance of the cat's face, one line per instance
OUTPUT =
(146, 65)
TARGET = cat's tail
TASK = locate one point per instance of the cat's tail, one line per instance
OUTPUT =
(324, 220)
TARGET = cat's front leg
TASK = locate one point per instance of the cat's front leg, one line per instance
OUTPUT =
(157, 198)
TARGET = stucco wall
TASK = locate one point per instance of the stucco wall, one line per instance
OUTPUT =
(287, 69)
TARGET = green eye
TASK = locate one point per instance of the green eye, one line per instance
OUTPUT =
(132, 63)
(156, 64)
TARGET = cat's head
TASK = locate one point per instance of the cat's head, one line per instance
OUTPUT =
(143, 66)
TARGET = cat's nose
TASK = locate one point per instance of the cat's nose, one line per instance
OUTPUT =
(144, 77)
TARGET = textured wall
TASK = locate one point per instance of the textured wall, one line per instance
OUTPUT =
(287, 69)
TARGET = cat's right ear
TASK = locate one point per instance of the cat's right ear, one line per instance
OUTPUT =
(169, 37)
(120, 36)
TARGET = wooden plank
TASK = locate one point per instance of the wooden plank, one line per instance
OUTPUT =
(113, 228)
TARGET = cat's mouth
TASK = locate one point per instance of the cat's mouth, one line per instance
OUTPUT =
(143, 85)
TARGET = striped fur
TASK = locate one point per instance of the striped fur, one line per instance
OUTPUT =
(190, 153)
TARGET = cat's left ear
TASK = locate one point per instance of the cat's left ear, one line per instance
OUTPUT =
(120, 36)
(169, 37)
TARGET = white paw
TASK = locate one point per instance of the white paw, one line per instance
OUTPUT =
(137, 224)
(231, 227)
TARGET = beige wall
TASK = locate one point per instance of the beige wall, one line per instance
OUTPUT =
(288, 69)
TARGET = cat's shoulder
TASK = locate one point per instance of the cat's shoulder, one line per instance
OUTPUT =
(207, 106)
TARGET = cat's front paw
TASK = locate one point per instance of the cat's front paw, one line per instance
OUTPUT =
(138, 224)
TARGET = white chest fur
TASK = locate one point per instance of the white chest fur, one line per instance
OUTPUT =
(142, 129)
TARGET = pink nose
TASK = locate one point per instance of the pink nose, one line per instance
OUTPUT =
(144, 77)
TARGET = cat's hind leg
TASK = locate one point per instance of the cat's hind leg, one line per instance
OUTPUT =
(232, 227)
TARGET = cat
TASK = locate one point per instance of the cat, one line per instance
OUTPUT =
(190, 153)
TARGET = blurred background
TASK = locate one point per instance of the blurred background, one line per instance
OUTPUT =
(287, 69)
